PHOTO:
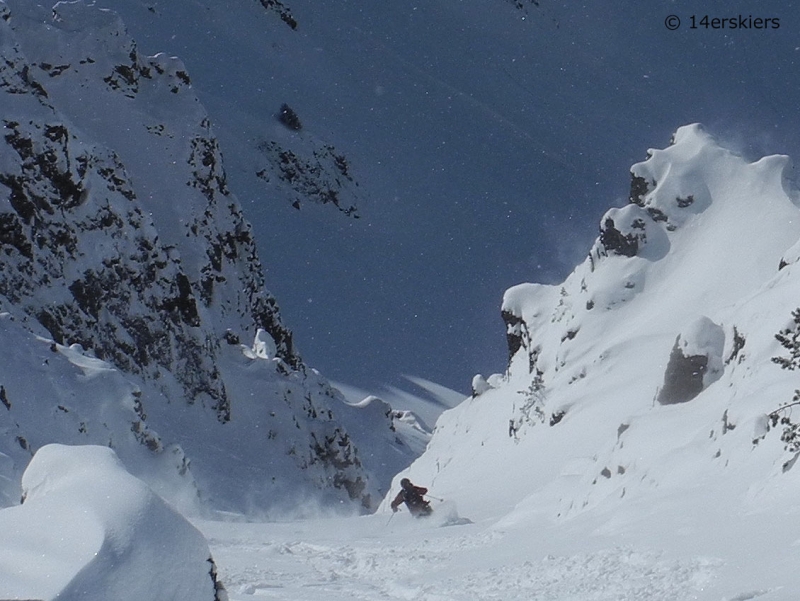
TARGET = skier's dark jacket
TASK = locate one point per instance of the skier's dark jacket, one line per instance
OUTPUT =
(412, 496)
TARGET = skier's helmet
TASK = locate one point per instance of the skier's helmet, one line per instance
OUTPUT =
(405, 482)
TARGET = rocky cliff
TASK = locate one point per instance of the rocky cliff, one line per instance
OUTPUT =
(119, 234)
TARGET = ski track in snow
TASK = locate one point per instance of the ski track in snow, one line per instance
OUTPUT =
(407, 561)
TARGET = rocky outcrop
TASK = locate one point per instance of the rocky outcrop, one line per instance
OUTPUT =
(517, 335)
(78, 237)
(631, 231)
(694, 363)
(283, 11)
(640, 188)
(308, 171)
(616, 242)
(524, 5)
(683, 379)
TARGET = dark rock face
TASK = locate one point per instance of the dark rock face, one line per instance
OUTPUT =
(696, 361)
(133, 304)
(524, 5)
(518, 337)
(515, 338)
(281, 10)
(289, 118)
(615, 242)
(313, 173)
(683, 379)
(639, 189)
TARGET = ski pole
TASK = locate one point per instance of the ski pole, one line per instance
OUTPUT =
(437, 498)
(390, 519)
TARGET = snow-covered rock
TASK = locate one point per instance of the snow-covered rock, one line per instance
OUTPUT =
(381, 456)
(264, 345)
(119, 233)
(479, 385)
(87, 529)
(52, 393)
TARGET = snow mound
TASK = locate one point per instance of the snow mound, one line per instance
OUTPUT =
(89, 530)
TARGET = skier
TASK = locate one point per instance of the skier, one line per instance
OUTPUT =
(412, 496)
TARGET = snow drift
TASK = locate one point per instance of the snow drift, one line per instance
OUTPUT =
(89, 530)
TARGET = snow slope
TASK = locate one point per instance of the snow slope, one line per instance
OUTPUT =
(685, 289)
(89, 530)
(52, 393)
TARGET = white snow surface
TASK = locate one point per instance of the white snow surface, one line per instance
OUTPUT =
(400, 558)
(89, 530)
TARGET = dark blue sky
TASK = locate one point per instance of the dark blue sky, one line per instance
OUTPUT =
(487, 146)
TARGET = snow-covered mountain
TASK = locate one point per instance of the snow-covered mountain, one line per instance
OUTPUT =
(133, 301)
(641, 444)
(651, 396)
(659, 346)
